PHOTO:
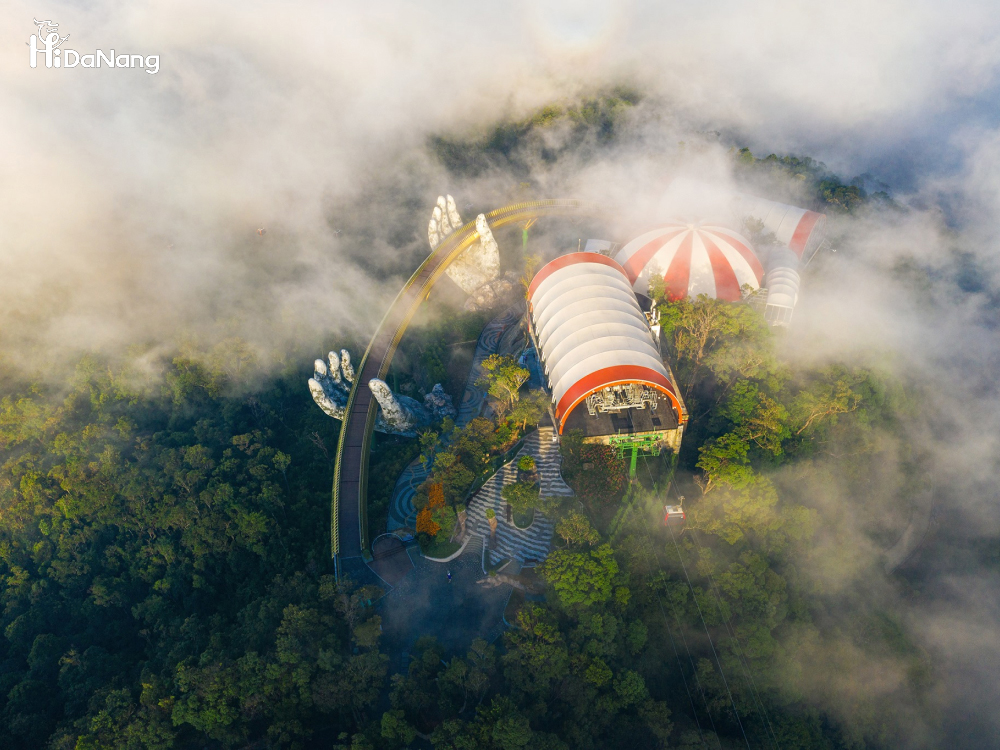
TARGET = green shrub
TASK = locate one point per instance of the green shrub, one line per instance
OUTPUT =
(596, 473)
(521, 496)
(445, 518)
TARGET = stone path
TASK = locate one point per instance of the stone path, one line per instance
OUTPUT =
(455, 612)
(402, 514)
(489, 341)
(529, 545)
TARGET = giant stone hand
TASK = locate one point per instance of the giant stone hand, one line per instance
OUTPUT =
(444, 221)
(330, 386)
(402, 415)
(398, 415)
(477, 265)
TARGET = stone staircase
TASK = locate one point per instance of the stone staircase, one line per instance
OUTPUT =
(545, 449)
(530, 545)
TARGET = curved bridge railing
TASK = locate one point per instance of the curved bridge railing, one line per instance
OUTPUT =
(349, 511)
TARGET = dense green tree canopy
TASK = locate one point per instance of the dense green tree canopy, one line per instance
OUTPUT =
(163, 581)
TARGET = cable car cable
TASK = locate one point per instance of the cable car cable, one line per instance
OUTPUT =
(694, 671)
(704, 624)
(743, 662)
(740, 652)
(673, 644)
(711, 643)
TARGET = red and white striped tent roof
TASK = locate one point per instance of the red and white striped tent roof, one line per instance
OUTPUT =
(797, 228)
(692, 260)
(591, 332)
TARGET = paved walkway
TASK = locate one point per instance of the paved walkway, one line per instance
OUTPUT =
(390, 560)
(530, 545)
(489, 342)
(455, 612)
(470, 605)
(402, 514)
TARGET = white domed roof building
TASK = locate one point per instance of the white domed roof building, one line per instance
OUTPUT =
(692, 260)
(597, 350)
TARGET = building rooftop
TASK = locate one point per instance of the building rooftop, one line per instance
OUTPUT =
(628, 422)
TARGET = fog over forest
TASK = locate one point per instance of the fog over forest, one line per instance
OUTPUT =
(131, 210)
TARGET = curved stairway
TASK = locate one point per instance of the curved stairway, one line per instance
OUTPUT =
(531, 545)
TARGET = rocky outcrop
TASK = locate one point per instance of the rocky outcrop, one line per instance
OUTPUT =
(521, 583)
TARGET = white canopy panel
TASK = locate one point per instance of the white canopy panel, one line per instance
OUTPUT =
(591, 332)
(598, 328)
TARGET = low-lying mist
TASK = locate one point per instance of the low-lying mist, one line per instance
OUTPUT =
(272, 183)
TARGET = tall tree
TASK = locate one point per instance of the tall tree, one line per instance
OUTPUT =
(503, 380)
